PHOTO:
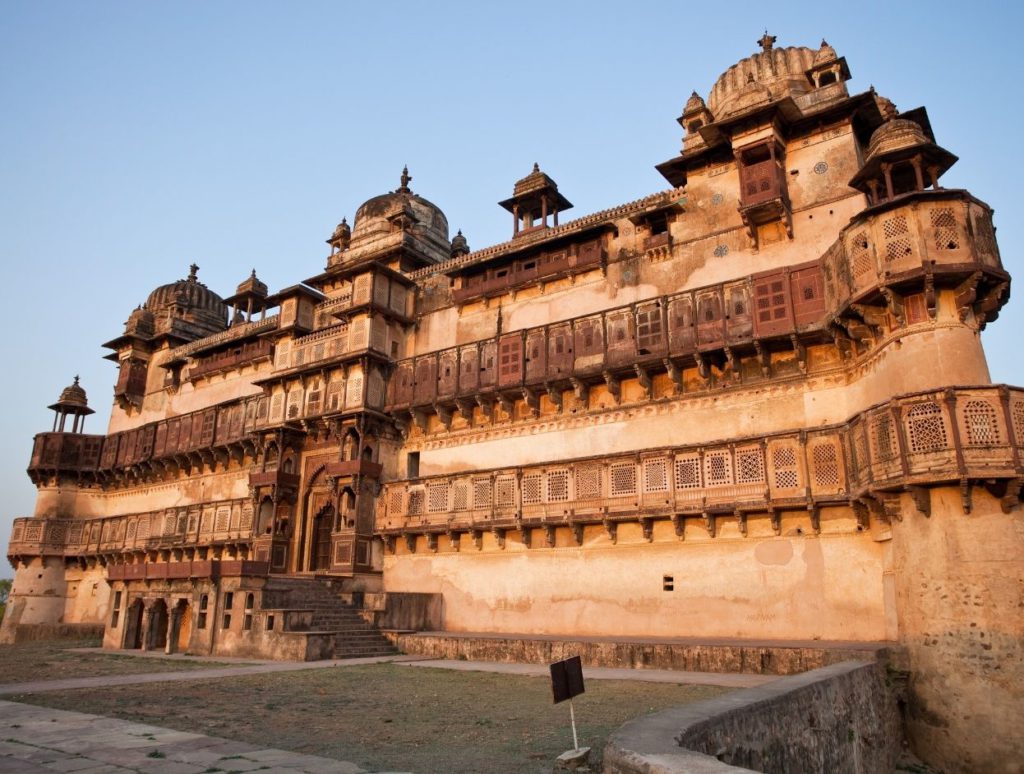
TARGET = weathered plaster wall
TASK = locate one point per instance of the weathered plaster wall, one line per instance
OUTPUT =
(797, 586)
(960, 595)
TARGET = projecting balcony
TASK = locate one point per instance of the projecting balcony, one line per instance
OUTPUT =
(762, 182)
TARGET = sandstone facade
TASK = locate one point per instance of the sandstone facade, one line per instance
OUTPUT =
(753, 405)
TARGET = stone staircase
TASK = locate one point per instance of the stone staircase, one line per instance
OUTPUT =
(354, 637)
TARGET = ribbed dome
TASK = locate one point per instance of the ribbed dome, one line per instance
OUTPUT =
(73, 395)
(375, 216)
(825, 54)
(694, 104)
(189, 293)
(767, 75)
(894, 135)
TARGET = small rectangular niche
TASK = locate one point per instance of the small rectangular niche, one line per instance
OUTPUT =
(668, 583)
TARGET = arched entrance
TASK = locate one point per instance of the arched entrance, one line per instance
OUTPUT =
(133, 626)
(158, 623)
(323, 524)
(183, 622)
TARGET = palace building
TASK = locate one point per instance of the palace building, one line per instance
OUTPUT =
(754, 405)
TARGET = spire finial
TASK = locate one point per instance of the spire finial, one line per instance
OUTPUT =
(766, 42)
(536, 167)
(76, 380)
(193, 271)
(406, 179)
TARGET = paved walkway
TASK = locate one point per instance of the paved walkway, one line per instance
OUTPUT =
(34, 740)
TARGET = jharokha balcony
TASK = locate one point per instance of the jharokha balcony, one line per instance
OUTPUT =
(965, 437)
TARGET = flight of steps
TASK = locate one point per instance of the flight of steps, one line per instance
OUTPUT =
(354, 636)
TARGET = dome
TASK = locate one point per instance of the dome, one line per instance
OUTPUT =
(460, 246)
(694, 104)
(825, 54)
(73, 395)
(894, 135)
(376, 215)
(72, 401)
(189, 293)
(770, 74)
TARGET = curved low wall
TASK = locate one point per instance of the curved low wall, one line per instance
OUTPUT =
(840, 718)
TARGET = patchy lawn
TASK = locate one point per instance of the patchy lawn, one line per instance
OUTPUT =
(56, 660)
(389, 717)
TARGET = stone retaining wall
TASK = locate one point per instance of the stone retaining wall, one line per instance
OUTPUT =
(841, 718)
(749, 658)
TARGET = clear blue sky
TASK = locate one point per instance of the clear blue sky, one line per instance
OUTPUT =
(138, 137)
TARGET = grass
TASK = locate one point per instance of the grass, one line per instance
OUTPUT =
(389, 717)
(57, 660)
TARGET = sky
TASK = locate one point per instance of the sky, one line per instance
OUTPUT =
(136, 138)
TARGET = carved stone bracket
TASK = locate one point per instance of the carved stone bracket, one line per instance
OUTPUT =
(895, 303)
(1011, 498)
(549, 535)
(614, 386)
(445, 415)
(499, 536)
(527, 536)
(508, 405)
(709, 522)
(486, 406)
(776, 520)
(419, 418)
(455, 538)
(922, 497)
(432, 541)
(814, 512)
(764, 359)
(478, 539)
(647, 528)
(581, 390)
(532, 400)
(410, 541)
(675, 374)
(966, 495)
(577, 533)
(465, 409)
(554, 395)
(861, 512)
(612, 528)
(965, 295)
(733, 363)
(644, 379)
(741, 522)
(703, 369)
(801, 352)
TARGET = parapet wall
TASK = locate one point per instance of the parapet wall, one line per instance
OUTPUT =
(840, 718)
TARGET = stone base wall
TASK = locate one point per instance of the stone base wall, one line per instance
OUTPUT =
(751, 658)
(841, 718)
(16, 635)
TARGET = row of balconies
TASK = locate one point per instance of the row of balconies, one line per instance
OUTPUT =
(967, 434)
(746, 314)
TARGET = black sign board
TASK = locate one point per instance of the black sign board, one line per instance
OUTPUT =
(567, 678)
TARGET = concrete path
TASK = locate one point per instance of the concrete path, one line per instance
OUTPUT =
(37, 740)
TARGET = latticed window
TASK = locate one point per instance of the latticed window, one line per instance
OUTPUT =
(415, 502)
(784, 463)
(885, 441)
(718, 468)
(925, 427)
(980, 419)
(749, 466)
(897, 238)
(860, 256)
(1018, 421)
(532, 489)
(687, 472)
(437, 496)
(482, 493)
(947, 236)
(460, 497)
(826, 465)
(505, 491)
(623, 479)
(649, 333)
(656, 474)
(588, 482)
(395, 500)
(558, 486)
(771, 301)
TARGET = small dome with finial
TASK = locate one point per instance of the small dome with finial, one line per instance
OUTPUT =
(72, 400)
(459, 245)
(825, 54)
(252, 284)
(694, 104)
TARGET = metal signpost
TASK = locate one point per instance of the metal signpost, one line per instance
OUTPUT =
(566, 682)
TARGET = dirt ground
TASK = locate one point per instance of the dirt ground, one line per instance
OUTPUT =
(55, 660)
(390, 717)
